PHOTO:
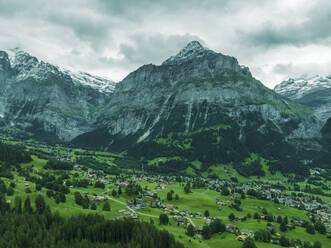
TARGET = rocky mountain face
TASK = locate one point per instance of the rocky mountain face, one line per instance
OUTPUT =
(198, 105)
(313, 92)
(43, 99)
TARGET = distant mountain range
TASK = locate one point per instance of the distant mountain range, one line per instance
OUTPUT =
(313, 92)
(197, 105)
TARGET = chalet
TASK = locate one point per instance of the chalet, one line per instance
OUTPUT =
(179, 219)
(241, 238)
(231, 228)
(198, 229)
(247, 232)
(163, 186)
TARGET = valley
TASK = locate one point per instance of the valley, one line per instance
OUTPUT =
(255, 202)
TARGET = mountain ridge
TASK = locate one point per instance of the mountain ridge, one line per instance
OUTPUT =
(188, 95)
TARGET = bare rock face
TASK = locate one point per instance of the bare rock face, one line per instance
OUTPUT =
(46, 101)
(195, 90)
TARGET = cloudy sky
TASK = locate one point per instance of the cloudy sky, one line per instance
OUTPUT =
(277, 39)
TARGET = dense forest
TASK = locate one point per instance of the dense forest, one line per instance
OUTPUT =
(13, 155)
(22, 226)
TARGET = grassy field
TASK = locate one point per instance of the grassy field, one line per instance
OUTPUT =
(197, 201)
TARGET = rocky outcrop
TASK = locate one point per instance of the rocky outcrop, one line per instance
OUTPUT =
(43, 99)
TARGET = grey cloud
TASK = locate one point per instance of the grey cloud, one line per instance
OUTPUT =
(113, 36)
(315, 29)
(155, 48)
(148, 48)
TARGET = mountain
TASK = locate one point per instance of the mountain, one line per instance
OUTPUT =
(53, 104)
(197, 107)
(313, 92)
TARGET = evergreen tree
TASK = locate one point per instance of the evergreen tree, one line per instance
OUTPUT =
(279, 219)
(249, 243)
(18, 205)
(164, 219)
(190, 230)
(320, 227)
(216, 226)
(206, 234)
(40, 204)
(78, 198)
(285, 220)
(284, 241)
(231, 217)
(169, 196)
(10, 191)
(27, 209)
(49, 193)
(310, 228)
(93, 206)
(106, 206)
(283, 227)
(38, 187)
(114, 193)
(207, 213)
(187, 188)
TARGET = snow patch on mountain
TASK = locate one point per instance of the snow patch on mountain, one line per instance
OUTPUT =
(296, 88)
(28, 66)
(99, 83)
(193, 50)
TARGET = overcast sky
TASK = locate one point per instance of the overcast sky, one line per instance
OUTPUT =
(276, 39)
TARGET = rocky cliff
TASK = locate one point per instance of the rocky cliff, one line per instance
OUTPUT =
(43, 99)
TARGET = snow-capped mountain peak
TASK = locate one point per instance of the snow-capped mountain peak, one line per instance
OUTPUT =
(295, 88)
(27, 66)
(192, 50)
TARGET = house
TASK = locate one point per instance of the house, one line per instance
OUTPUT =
(198, 229)
(179, 219)
(247, 232)
(241, 238)
(162, 186)
(231, 228)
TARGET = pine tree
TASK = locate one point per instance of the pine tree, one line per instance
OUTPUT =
(106, 206)
(283, 227)
(231, 217)
(27, 209)
(18, 205)
(249, 243)
(206, 234)
(190, 230)
(40, 204)
(93, 206)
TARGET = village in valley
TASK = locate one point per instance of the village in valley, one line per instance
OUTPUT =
(199, 211)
